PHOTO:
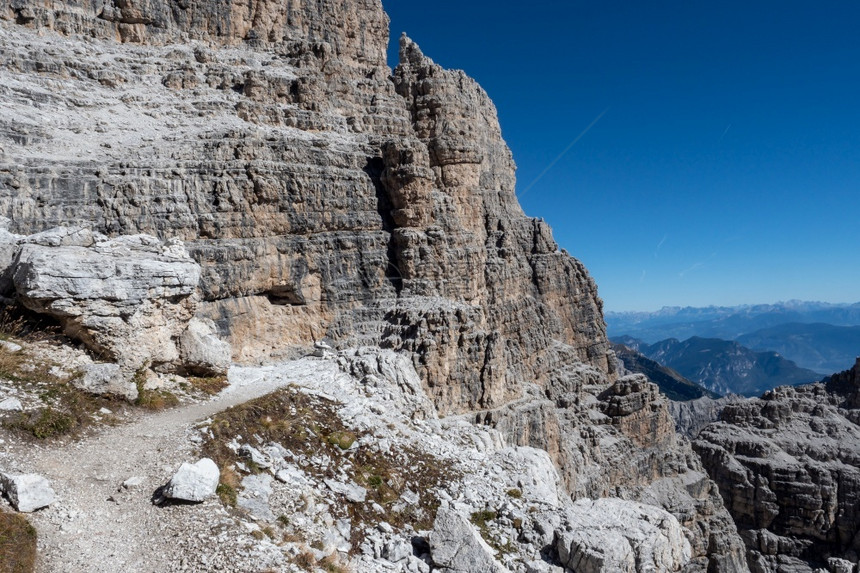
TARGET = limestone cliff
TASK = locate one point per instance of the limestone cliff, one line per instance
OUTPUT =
(320, 197)
(323, 194)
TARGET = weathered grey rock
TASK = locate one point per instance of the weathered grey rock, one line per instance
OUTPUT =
(352, 491)
(255, 456)
(194, 482)
(133, 482)
(11, 405)
(107, 378)
(127, 298)
(201, 352)
(617, 536)
(27, 492)
(458, 548)
(693, 415)
(788, 466)
(254, 496)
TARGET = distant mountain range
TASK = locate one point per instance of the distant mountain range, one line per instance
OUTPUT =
(818, 336)
(723, 366)
(671, 383)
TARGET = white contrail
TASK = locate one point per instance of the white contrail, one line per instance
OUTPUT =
(563, 153)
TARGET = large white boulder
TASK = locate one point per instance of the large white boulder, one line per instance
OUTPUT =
(27, 492)
(129, 298)
(194, 482)
(201, 351)
(617, 536)
(456, 547)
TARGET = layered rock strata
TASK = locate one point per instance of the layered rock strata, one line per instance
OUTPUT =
(132, 300)
(323, 195)
(320, 197)
(788, 466)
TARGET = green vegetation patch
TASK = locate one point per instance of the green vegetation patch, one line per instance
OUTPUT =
(67, 409)
(209, 385)
(310, 426)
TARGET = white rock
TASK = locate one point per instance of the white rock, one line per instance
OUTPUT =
(106, 378)
(457, 547)
(201, 351)
(254, 455)
(11, 405)
(194, 482)
(27, 492)
(129, 298)
(618, 536)
(133, 482)
(352, 491)
(397, 550)
(254, 497)
(10, 346)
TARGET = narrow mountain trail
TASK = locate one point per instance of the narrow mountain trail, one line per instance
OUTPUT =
(100, 526)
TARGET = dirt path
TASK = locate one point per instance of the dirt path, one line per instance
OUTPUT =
(98, 525)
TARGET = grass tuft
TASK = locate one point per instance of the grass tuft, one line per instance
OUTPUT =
(17, 544)
(209, 385)
(152, 399)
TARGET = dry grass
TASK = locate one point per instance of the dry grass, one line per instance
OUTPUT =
(67, 409)
(154, 400)
(310, 426)
(210, 385)
(17, 544)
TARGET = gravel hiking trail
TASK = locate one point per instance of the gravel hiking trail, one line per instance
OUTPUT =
(100, 526)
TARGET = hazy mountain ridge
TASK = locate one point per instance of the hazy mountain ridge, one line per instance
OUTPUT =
(824, 348)
(723, 366)
(671, 383)
(823, 337)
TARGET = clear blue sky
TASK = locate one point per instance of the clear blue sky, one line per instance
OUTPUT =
(727, 167)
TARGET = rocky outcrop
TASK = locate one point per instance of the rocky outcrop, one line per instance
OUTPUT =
(618, 440)
(611, 535)
(319, 197)
(693, 415)
(788, 466)
(132, 300)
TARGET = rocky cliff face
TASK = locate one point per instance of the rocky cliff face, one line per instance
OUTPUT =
(321, 194)
(788, 466)
(319, 197)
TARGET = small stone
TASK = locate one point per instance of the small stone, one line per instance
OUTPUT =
(10, 346)
(352, 491)
(133, 482)
(11, 405)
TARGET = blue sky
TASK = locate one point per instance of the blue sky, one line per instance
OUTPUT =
(726, 169)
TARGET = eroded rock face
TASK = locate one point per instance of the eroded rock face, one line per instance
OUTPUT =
(615, 536)
(788, 466)
(617, 440)
(319, 195)
(322, 196)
